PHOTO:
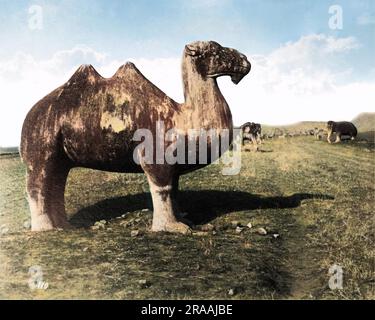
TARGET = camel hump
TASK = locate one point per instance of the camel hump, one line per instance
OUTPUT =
(127, 70)
(85, 73)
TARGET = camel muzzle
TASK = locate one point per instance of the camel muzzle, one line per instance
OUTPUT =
(236, 78)
(240, 72)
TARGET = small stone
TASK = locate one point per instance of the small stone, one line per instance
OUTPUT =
(249, 225)
(3, 229)
(231, 292)
(199, 233)
(145, 210)
(239, 230)
(137, 220)
(123, 215)
(124, 223)
(262, 231)
(207, 227)
(100, 224)
(85, 249)
(247, 245)
(235, 223)
(214, 232)
(143, 283)
(134, 233)
(27, 224)
(275, 235)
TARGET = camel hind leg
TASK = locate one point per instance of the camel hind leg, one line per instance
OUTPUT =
(338, 138)
(45, 190)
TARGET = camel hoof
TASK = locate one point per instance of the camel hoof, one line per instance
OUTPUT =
(43, 223)
(173, 227)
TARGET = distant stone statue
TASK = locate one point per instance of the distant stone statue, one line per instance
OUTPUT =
(90, 122)
(252, 132)
(343, 128)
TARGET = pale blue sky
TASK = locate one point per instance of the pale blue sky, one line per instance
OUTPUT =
(147, 28)
(301, 69)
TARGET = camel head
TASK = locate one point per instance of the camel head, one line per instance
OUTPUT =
(330, 125)
(211, 60)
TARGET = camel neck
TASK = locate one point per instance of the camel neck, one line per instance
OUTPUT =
(204, 99)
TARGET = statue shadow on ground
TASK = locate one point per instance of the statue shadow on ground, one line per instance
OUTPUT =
(205, 205)
(201, 206)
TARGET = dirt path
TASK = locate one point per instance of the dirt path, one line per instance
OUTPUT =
(302, 260)
(351, 165)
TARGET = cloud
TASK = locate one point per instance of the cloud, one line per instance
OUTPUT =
(301, 80)
(366, 19)
(24, 80)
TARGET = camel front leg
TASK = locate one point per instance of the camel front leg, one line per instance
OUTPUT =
(164, 218)
(45, 194)
(254, 141)
(329, 136)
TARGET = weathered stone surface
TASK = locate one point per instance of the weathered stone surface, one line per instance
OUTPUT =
(342, 128)
(90, 122)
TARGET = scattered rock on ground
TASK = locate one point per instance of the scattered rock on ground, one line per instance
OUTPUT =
(3, 229)
(247, 245)
(249, 225)
(143, 283)
(199, 233)
(235, 223)
(27, 224)
(231, 292)
(134, 233)
(207, 227)
(124, 224)
(239, 230)
(262, 231)
(99, 225)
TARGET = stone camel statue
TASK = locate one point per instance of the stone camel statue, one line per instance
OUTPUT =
(90, 122)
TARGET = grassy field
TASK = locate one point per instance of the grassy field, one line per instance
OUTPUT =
(315, 200)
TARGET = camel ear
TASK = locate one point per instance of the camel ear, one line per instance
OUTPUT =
(192, 50)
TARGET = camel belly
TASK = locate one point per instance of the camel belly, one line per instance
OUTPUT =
(101, 150)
